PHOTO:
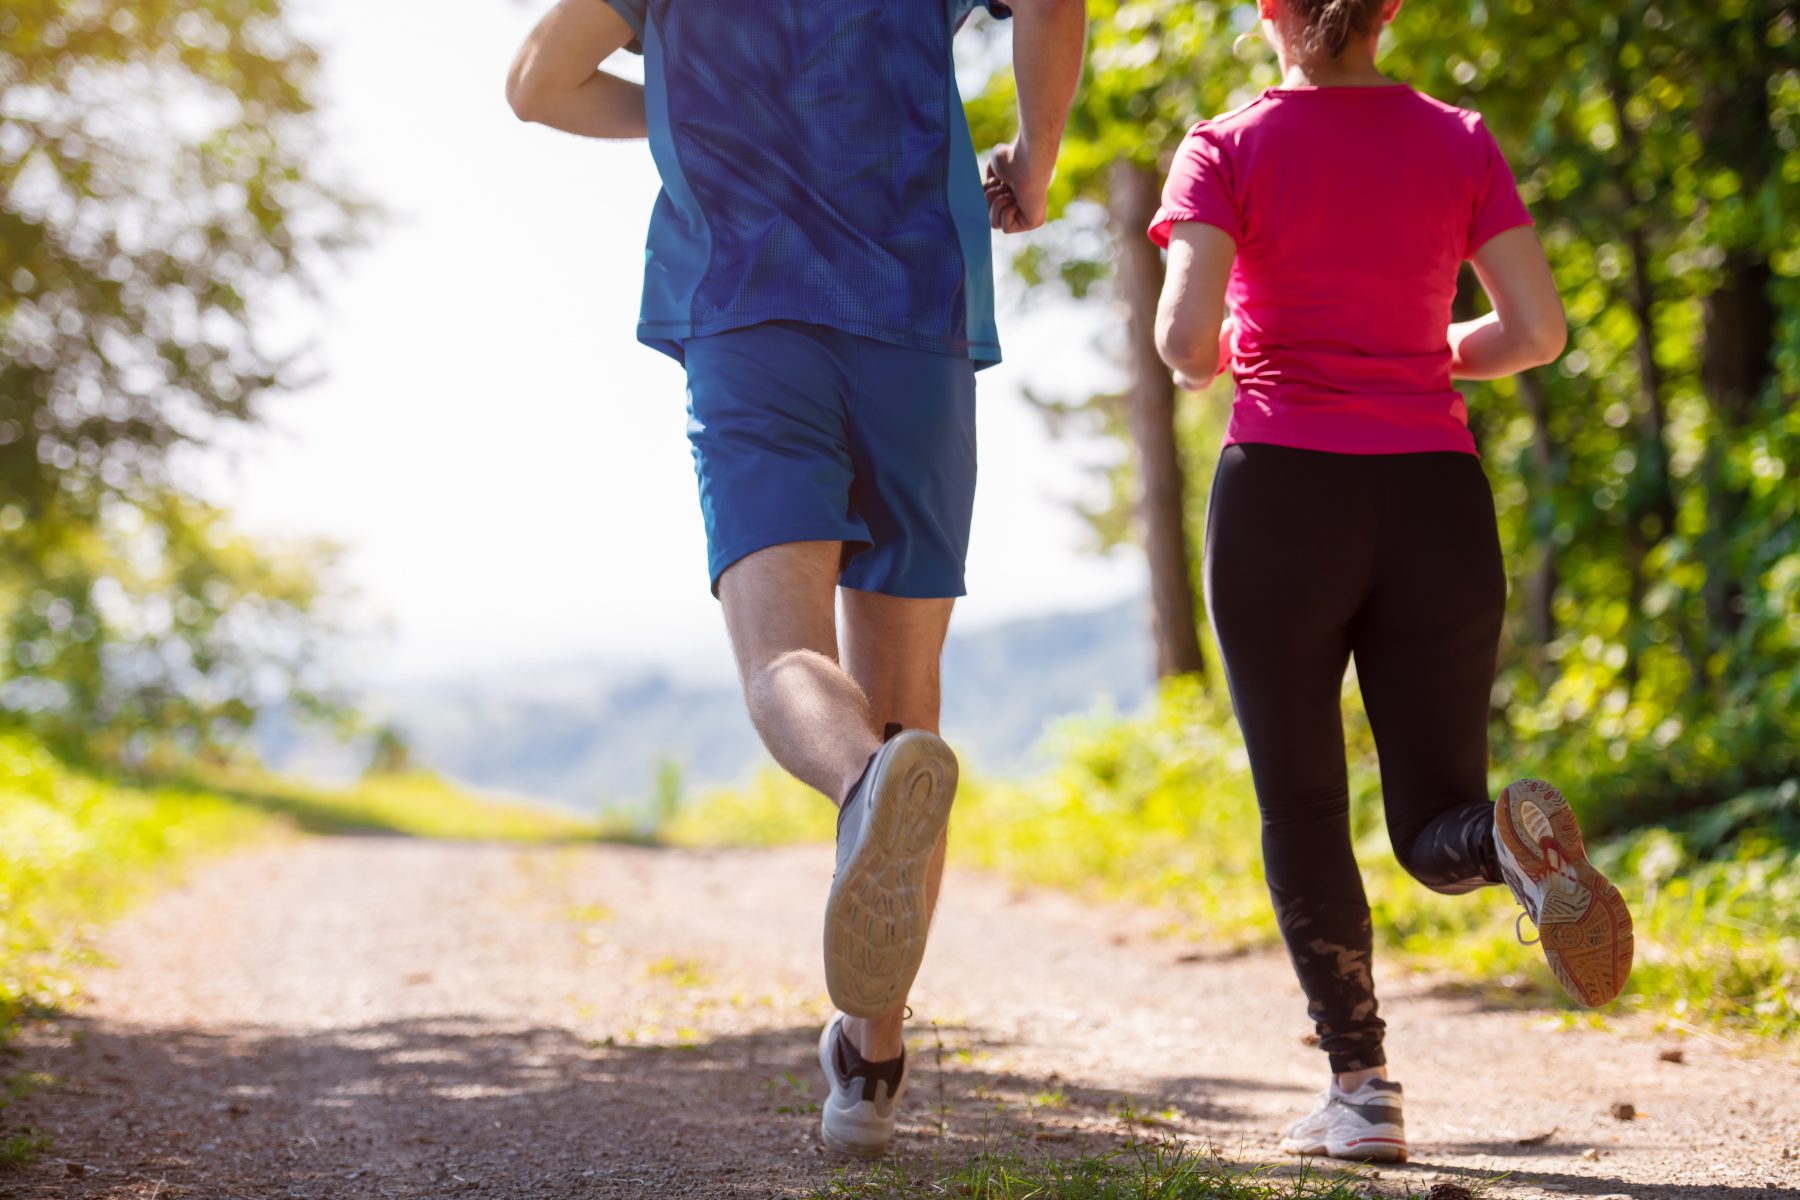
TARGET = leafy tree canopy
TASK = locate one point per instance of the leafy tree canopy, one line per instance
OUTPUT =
(158, 192)
(1646, 484)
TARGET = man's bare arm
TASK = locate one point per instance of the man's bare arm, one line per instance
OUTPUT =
(1048, 40)
(556, 81)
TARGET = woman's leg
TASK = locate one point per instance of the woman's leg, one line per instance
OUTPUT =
(1426, 645)
(1289, 557)
(1425, 652)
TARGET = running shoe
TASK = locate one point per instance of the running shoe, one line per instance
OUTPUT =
(1367, 1125)
(876, 917)
(858, 1116)
(1583, 925)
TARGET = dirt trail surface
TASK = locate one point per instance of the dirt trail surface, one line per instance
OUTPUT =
(367, 1017)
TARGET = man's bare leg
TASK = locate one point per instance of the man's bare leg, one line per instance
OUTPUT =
(818, 720)
(892, 648)
(813, 717)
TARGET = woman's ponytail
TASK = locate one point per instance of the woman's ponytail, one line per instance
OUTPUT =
(1330, 24)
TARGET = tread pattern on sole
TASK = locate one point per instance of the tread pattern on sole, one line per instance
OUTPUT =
(1584, 928)
(876, 918)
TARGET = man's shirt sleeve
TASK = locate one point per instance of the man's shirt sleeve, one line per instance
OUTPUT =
(635, 14)
(962, 10)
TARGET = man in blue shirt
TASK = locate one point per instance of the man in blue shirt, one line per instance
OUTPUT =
(818, 261)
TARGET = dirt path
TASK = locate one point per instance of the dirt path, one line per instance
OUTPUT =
(381, 1017)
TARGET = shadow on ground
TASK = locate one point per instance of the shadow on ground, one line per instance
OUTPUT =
(463, 1107)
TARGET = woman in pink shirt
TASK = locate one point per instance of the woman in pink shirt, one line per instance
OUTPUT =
(1314, 238)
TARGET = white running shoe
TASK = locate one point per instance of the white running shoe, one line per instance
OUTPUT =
(876, 918)
(1367, 1125)
(1583, 925)
(858, 1116)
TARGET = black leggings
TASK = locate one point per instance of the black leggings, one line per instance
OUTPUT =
(1312, 558)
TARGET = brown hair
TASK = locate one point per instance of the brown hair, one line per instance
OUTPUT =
(1330, 24)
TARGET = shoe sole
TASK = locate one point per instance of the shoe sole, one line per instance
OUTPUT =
(1363, 1149)
(876, 918)
(866, 1149)
(1585, 928)
(1372, 1149)
(854, 1149)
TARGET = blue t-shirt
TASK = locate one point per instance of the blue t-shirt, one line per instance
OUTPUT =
(816, 167)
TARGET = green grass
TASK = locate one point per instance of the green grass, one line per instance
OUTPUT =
(77, 849)
(1142, 1171)
(416, 805)
(22, 1149)
(1159, 810)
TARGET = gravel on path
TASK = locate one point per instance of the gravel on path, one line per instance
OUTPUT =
(384, 1017)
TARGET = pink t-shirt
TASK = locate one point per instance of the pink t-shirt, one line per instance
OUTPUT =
(1352, 210)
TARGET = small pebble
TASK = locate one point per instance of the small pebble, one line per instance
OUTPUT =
(1591, 1154)
(1624, 1111)
(1674, 1055)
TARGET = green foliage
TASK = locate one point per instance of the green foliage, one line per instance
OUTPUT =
(162, 631)
(1140, 1171)
(74, 852)
(76, 849)
(413, 804)
(1646, 484)
(667, 799)
(158, 194)
(1135, 811)
(23, 1148)
(1650, 478)
(771, 810)
(1160, 811)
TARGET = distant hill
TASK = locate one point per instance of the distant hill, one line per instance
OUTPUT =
(592, 734)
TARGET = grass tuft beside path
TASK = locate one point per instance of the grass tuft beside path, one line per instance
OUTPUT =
(1143, 1171)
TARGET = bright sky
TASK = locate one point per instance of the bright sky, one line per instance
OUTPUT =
(505, 462)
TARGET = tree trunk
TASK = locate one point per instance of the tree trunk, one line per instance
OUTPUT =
(1653, 441)
(1541, 587)
(1657, 497)
(1150, 407)
(1740, 323)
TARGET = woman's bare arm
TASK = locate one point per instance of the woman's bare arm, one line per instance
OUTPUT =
(1527, 328)
(1191, 329)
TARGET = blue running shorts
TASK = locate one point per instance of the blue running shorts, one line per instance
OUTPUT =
(802, 433)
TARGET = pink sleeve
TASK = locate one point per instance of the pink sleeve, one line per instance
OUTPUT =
(1498, 207)
(1199, 188)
